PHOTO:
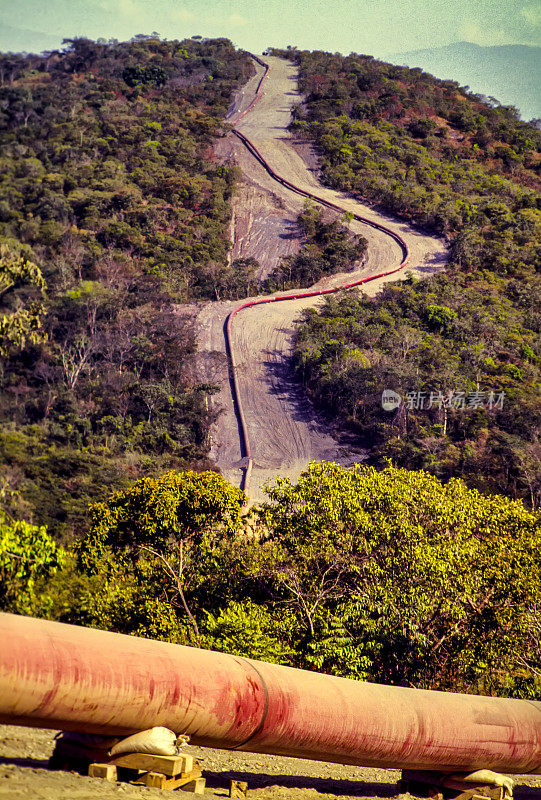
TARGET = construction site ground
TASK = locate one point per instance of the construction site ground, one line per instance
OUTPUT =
(24, 753)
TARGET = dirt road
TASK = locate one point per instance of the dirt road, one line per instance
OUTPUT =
(284, 430)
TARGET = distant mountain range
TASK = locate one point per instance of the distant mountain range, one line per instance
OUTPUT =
(17, 40)
(510, 73)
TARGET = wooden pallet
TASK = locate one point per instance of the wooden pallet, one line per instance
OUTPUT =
(159, 772)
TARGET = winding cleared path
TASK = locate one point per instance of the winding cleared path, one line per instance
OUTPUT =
(282, 430)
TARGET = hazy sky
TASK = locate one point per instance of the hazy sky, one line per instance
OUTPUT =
(367, 26)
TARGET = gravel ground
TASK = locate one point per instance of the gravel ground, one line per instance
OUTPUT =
(24, 753)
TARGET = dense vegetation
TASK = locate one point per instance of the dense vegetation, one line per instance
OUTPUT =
(468, 169)
(449, 347)
(390, 576)
(327, 248)
(112, 210)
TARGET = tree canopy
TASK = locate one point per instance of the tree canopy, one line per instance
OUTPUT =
(399, 578)
(21, 321)
(29, 557)
(390, 575)
(160, 540)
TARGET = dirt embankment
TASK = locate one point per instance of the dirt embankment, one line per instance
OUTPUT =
(284, 430)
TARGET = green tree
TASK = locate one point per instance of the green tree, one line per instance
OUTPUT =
(20, 281)
(441, 317)
(402, 579)
(138, 75)
(163, 537)
(28, 557)
(252, 630)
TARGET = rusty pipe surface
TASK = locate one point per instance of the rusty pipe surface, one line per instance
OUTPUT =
(62, 676)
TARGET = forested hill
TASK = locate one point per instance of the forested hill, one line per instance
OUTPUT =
(433, 153)
(510, 72)
(107, 185)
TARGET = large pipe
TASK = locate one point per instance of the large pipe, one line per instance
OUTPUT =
(62, 676)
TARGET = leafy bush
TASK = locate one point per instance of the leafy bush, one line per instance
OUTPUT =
(28, 557)
(139, 75)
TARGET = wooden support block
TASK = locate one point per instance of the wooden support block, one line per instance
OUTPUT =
(238, 789)
(160, 781)
(105, 771)
(167, 765)
(157, 780)
(479, 793)
(196, 786)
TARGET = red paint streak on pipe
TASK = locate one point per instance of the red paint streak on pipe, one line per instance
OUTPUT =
(62, 676)
(246, 450)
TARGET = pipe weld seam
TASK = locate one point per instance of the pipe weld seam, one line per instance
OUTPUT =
(259, 726)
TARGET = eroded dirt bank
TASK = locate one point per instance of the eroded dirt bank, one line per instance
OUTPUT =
(283, 428)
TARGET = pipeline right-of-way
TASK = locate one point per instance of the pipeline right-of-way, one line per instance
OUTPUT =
(246, 450)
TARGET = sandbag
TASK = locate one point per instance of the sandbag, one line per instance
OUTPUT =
(481, 777)
(154, 741)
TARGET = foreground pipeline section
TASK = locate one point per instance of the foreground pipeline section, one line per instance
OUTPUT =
(62, 676)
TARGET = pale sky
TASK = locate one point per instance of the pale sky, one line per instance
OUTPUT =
(375, 27)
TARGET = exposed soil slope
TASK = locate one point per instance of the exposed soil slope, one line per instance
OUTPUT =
(283, 429)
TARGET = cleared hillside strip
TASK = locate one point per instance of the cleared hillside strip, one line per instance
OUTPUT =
(247, 450)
